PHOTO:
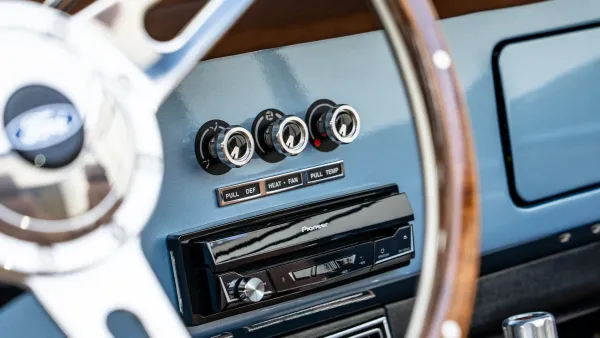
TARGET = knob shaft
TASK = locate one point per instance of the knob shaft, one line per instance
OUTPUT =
(530, 325)
(288, 135)
(232, 146)
(251, 289)
(341, 124)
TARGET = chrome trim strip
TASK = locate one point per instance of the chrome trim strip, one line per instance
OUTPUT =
(380, 320)
(179, 300)
(369, 333)
(262, 183)
(223, 335)
(356, 298)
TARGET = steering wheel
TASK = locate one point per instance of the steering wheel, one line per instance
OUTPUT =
(81, 158)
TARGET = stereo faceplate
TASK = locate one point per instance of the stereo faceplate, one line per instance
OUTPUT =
(270, 258)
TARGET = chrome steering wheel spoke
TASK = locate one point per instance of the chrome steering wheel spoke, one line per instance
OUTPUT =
(166, 63)
(79, 302)
(81, 160)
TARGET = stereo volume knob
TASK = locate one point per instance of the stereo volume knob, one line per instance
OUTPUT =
(251, 289)
(341, 124)
(232, 146)
(288, 135)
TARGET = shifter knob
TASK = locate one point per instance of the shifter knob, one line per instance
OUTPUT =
(530, 325)
(251, 289)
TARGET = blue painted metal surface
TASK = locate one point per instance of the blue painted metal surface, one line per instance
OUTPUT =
(551, 99)
(357, 70)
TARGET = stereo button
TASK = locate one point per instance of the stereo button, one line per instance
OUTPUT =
(398, 245)
(326, 268)
(302, 274)
(346, 261)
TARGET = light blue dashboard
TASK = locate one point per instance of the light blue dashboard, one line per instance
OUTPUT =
(360, 71)
(550, 86)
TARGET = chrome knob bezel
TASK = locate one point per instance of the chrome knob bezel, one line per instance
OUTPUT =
(331, 129)
(275, 132)
(218, 147)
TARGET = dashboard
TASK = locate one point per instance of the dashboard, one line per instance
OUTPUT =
(358, 70)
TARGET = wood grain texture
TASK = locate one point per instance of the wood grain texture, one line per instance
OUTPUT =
(276, 23)
(455, 277)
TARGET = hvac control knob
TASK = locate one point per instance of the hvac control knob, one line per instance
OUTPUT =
(341, 124)
(232, 146)
(277, 135)
(332, 124)
(220, 147)
(251, 289)
(288, 135)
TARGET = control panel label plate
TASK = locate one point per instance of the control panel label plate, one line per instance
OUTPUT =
(279, 183)
(283, 182)
(326, 172)
(239, 193)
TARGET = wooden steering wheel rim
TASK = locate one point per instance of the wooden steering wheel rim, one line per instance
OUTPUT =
(448, 281)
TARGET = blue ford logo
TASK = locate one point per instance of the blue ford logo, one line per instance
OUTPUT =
(43, 126)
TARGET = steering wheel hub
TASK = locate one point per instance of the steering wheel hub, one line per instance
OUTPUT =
(73, 165)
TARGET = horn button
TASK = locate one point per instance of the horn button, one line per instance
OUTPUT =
(43, 126)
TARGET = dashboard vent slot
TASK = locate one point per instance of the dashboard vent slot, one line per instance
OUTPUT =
(377, 328)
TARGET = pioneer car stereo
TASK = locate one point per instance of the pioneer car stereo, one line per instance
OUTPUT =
(269, 258)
